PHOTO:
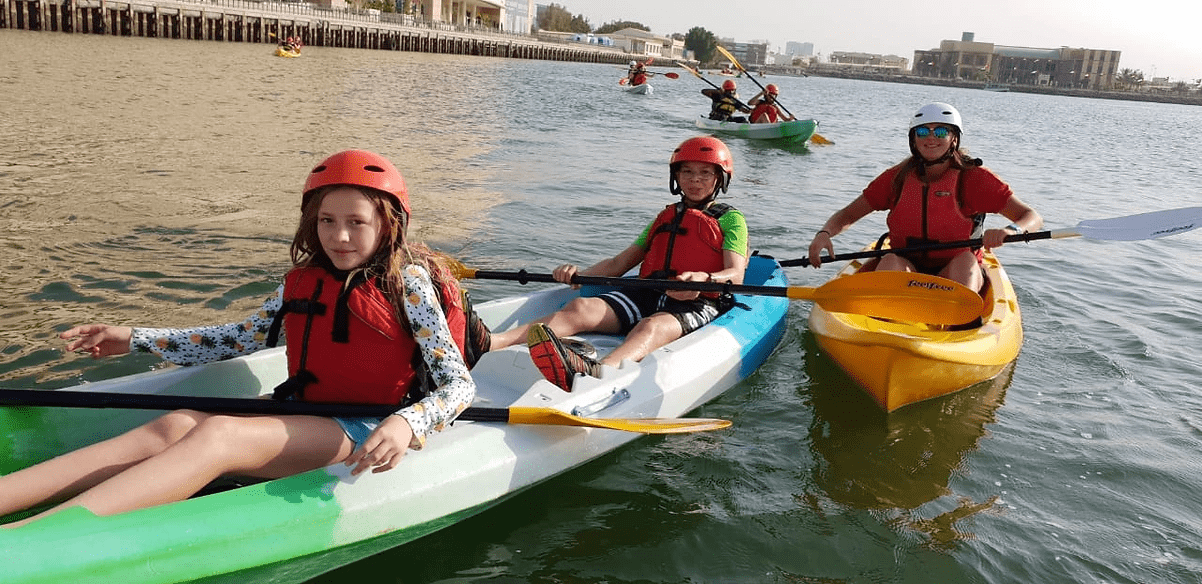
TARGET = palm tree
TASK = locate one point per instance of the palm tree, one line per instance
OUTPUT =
(1130, 78)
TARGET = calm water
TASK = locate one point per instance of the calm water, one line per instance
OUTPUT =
(156, 182)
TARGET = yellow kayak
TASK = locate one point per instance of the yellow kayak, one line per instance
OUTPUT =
(901, 363)
(282, 52)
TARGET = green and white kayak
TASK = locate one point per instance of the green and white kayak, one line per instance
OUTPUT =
(292, 529)
(794, 131)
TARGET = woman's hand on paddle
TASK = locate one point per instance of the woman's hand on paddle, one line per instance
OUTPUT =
(384, 448)
(98, 340)
(994, 238)
(820, 243)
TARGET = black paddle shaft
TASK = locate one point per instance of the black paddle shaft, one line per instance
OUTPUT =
(134, 401)
(876, 253)
(523, 277)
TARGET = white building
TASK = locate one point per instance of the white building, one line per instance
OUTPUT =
(799, 49)
(643, 43)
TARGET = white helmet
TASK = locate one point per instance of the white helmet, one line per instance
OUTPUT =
(937, 113)
(632, 63)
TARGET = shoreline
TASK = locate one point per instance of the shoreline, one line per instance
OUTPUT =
(260, 22)
(266, 22)
(1042, 90)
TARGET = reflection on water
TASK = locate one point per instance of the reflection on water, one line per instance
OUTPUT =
(898, 462)
(942, 528)
(868, 459)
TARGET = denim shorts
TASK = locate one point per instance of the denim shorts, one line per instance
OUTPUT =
(358, 429)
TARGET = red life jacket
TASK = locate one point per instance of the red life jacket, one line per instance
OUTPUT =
(684, 240)
(764, 107)
(924, 213)
(345, 344)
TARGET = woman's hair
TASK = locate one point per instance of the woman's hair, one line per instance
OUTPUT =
(390, 258)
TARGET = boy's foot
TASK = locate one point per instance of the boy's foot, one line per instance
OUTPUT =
(556, 363)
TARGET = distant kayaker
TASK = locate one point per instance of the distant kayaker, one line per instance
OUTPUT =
(693, 240)
(369, 316)
(938, 194)
(725, 103)
(637, 74)
(765, 110)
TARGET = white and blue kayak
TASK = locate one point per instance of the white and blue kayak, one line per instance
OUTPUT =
(292, 529)
(793, 131)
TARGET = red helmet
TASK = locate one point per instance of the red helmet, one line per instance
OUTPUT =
(702, 149)
(772, 89)
(728, 85)
(359, 168)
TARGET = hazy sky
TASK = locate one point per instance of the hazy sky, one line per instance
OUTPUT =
(1159, 37)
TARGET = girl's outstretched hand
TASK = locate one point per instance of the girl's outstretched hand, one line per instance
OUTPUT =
(384, 448)
(98, 340)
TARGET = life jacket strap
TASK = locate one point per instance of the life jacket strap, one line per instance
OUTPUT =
(295, 385)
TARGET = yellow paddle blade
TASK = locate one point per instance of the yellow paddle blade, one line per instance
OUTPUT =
(819, 139)
(903, 296)
(457, 268)
(726, 53)
(549, 416)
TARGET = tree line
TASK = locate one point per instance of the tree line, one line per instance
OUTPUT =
(699, 41)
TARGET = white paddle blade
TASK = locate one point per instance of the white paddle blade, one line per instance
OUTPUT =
(1143, 226)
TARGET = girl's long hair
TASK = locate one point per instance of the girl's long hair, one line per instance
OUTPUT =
(392, 255)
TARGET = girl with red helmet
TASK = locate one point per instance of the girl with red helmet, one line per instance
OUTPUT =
(361, 305)
(692, 240)
(725, 103)
(938, 194)
(765, 110)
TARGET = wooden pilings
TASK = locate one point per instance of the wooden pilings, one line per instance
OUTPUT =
(255, 22)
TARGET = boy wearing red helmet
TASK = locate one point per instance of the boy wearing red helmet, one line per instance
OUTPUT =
(693, 240)
(725, 103)
(765, 109)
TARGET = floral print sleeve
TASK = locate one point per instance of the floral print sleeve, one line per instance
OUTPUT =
(455, 387)
(205, 344)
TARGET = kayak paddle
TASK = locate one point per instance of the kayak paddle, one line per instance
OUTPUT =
(816, 138)
(511, 415)
(893, 295)
(698, 75)
(1151, 225)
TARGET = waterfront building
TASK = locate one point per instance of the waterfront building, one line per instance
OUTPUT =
(753, 54)
(642, 43)
(797, 49)
(869, 62)
(967, 59)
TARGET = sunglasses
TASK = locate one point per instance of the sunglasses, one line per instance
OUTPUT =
(939, 132)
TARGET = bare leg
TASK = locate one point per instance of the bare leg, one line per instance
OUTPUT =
(965, 269)
(648, 335)
(895, 263)
(75, 472)
(262, 446)
(579, 316)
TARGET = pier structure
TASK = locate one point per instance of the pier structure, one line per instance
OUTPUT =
(266, 22)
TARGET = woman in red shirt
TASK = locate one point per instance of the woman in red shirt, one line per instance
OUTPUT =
(938, 194)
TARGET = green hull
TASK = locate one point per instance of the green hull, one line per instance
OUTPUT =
(794, 131)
